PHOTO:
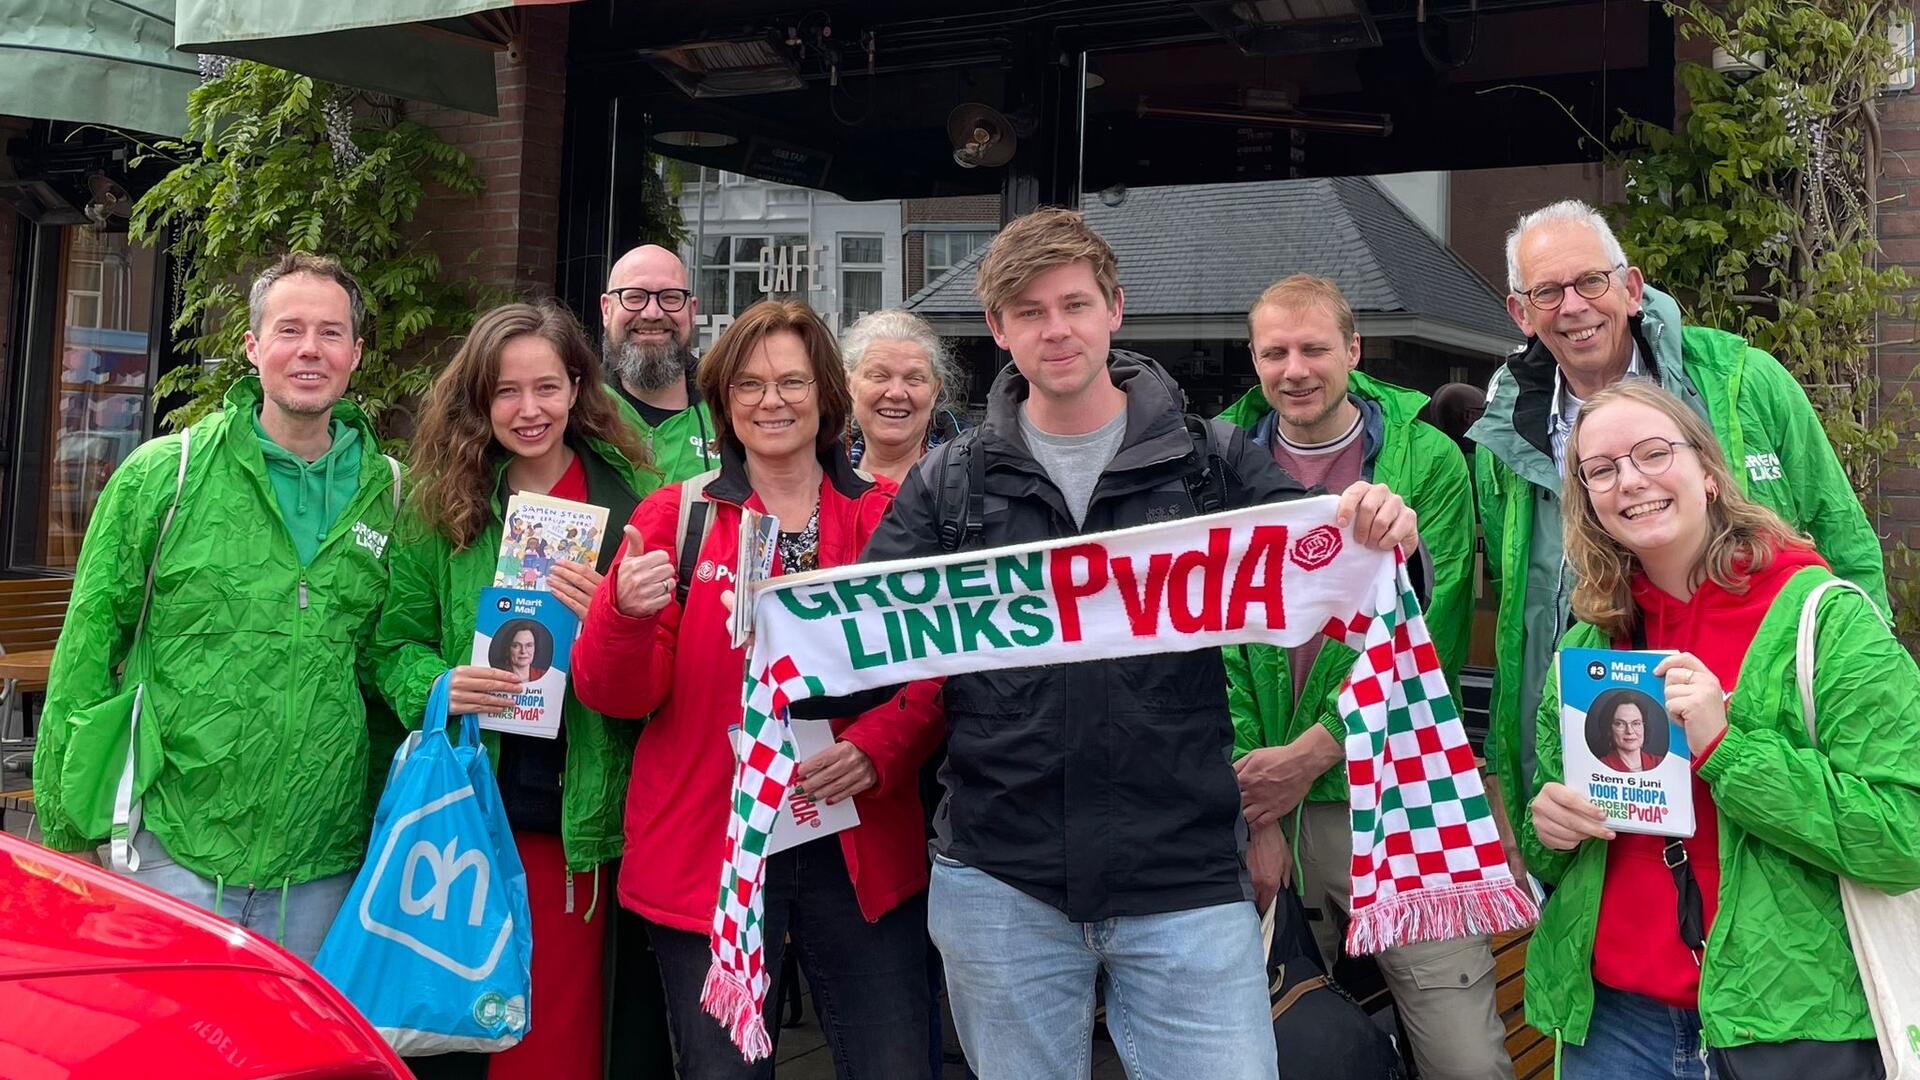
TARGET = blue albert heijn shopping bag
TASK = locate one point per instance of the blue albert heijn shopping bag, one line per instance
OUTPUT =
(433, 944)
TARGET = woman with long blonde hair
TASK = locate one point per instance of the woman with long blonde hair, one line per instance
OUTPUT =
(1727, 950)
(521, 408)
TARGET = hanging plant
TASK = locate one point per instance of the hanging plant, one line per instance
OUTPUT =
(274, 162)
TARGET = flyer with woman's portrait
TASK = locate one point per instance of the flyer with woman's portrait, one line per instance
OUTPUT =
(1619, 747)
(529, 634)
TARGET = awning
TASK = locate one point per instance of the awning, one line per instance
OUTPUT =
(95, 62)
(422, 50)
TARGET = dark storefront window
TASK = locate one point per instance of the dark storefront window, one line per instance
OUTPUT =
(85, 378)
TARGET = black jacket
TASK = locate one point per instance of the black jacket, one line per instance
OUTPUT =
(1102, 788)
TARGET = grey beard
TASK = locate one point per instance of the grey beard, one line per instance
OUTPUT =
(646, 368)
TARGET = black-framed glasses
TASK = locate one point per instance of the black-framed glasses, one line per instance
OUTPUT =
(635, 298)
(1652, 456)
(1593, 285)
(792, 390)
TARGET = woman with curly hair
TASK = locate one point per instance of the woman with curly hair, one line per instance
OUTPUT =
(521, 408)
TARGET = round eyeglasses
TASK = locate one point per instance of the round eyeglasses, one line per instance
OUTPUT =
(635, 298)
(793, 390)
(1652, 456)
(1593, 285)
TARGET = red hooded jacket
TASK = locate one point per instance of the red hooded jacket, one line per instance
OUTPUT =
(1637, 945)
(679, 667)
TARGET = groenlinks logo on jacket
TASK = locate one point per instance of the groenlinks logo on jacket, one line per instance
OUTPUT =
(1763, 467)
(441, 890)
(370, 538)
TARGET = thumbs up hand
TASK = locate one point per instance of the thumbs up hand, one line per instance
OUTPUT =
(643, 582)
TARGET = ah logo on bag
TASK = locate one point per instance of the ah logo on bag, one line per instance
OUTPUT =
(454, 947)
(447, 868)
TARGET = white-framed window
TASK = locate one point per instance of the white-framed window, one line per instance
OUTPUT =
(862, 268)
(85, 292)
(731, 268)
(946, 250)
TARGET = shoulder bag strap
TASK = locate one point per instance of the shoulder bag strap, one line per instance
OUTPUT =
(393, 469)
(1803, 647)
(146, 600)
(690, 532)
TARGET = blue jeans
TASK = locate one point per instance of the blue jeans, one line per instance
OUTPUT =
(1636, 1038)
(1186, 991)
(297, 917)
(868, 980)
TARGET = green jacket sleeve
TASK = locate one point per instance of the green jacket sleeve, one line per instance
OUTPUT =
(1247, 734)
(1851, 807)
(1486, 501)
(406, 641)
(1547, 864)
(1830, 511)
(1445, 506)
(109, 583)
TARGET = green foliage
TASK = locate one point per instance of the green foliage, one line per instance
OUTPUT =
(268, 165)
(1758, 213)
(660, 203)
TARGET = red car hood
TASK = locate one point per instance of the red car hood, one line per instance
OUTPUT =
(100, 977)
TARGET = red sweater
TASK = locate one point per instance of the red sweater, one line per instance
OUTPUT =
(1637, 945)
(679, 667)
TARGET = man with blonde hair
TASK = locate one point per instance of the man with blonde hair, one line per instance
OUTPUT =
(1591, 320)
(1092, 822)
(1331, 426)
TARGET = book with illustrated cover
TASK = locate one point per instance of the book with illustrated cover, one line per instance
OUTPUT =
(540, 531)
(529, 633)
(1618, 745)
(801, 819)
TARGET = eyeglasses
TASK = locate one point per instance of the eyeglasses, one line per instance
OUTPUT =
(793, 390)
(1627, 725)
(1593, 285)
(1651, 456)
(635, 299)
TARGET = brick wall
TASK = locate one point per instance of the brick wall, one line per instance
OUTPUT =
(1486, 202)
(509, 238)
(1899, 359)
(983, 210)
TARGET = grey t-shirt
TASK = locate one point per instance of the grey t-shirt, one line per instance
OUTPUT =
(1074, 462)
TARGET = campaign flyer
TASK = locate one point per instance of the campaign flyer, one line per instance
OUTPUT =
(800, 818)
(540, 531)
(759, 538)
(530, 634)
(1618, 745)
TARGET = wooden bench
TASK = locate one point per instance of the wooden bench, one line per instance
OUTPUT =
(32, 611)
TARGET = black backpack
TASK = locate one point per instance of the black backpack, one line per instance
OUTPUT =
(963, 483)
(1321, 1031)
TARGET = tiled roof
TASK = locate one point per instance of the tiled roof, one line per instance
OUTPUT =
(1210, 249)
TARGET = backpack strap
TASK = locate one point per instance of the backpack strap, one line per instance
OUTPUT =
(963, 493)
(1207, 474)
(690, 531)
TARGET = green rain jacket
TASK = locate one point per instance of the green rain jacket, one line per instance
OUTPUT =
(1778, 963)
(427, 628)
(1772, 439)
(1424, 467)
(251, 661)
(683, 446)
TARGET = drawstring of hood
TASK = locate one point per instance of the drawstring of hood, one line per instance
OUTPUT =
(280, 931)
(593, 903)
(219, 891)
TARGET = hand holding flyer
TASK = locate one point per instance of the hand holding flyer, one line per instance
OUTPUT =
(1620, 747)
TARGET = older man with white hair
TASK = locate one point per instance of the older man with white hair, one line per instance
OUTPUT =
(1590, 321)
